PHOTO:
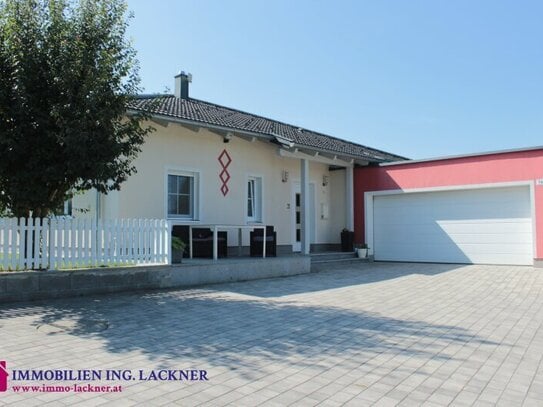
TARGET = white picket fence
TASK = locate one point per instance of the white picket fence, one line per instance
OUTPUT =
(60, 243)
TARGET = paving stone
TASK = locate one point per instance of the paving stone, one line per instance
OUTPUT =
(358, 334)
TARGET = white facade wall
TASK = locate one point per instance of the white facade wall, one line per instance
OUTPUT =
(338, 219)
(177, 148)
(84, 205)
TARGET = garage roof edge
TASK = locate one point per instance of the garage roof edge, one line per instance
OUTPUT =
(452, 157)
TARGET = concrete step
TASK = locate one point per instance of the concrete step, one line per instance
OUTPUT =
(332, 256)
(323, 265)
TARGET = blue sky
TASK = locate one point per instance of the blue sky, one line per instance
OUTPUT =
(416, 78)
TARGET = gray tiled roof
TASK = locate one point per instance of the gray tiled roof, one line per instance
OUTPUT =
(202, 112)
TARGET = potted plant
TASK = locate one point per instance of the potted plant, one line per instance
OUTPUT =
(361, 250)
(347, 240)
(178, 247)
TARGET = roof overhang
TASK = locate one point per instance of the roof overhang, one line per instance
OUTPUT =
(334, 160)
(287, 147)
(221, 130)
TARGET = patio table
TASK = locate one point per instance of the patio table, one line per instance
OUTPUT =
(216, 227)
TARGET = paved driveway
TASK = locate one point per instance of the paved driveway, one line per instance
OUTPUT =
(382, 334)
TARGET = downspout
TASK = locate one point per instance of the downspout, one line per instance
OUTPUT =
(98, 207)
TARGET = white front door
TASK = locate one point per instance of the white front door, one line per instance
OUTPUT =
(297, 216)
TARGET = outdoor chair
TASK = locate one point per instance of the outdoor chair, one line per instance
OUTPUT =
(202, 243)
(256, 238)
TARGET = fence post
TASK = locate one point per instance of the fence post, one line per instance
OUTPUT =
(168, 241)
(145, 230)
(49, 244)
(93, 242)
(99, 242)
(52, 244)
(29, 252)
(107, 241)
(4, 233)
(115, 238)
(13, 243)
(38, 254)
(160, 242)
(156, 233)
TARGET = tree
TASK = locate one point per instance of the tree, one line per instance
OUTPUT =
(67, 73)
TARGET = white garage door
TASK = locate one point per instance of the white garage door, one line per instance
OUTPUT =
(485, 226)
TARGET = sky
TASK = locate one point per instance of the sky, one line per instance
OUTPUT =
(416, 78)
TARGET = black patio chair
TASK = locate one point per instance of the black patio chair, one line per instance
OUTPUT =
(202, 243)
(256, 240)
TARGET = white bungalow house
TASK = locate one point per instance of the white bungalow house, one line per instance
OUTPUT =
(210, 164)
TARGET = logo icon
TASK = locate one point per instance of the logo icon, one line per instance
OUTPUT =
(3, 376)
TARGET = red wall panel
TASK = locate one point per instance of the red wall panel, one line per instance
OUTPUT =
(483, 169)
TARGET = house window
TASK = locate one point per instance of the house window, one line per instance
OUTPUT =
(254, 199)
(182, 195)
(65, 209)
(68, 207)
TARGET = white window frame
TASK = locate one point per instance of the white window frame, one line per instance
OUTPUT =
(195, 193)
(68, 207)
(257, 199)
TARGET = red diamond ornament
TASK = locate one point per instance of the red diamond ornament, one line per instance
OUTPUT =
(224, 160)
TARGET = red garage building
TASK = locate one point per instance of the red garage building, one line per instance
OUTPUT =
(483, 208)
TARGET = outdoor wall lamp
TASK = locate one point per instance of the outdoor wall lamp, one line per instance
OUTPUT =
(284, 176)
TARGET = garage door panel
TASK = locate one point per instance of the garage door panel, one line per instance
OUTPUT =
(459, 239)
(486, 229)
(523, 230)
(491, 226)
(500, 258)
(413, 253)
(476, 249)
(490, 239)
(489, 223)
(494, 258)
(481, 257)
(456, 212)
